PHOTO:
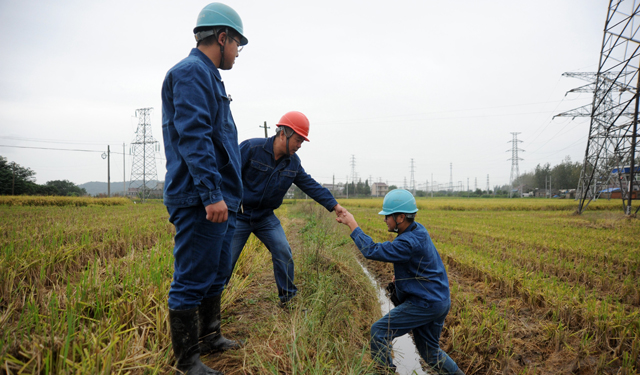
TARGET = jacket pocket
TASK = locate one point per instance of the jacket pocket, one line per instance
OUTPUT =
(286, 179)
(256, 173)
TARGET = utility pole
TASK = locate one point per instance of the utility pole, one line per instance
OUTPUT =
(515, 171)
(333, 185)
(266, 135)
(124, 174)
(13, 184)
(107, 156)
(108, 171)
(431, 185)
(451, 177)
(347, 186)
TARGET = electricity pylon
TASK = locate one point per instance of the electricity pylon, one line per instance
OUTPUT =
(610, 160)
(144, 176)
(515, 169)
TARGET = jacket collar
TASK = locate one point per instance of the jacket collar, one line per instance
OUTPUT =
(268, 147)
(197, 53)
(410, 228)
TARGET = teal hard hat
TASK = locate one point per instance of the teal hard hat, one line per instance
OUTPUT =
(398, 201)
(218, 14)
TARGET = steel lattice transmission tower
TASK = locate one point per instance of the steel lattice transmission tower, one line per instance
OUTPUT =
(144, 177)
(353, 168)
(451, 177)
(607, 103)
(610, 157)
(412, 180)
(515, 169)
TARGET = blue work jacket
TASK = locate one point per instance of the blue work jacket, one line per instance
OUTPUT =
(200, 136)
(420, 274)
(265, 182)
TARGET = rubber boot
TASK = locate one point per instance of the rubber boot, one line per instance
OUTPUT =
(459, 372)
(184, 337)
(211, 339)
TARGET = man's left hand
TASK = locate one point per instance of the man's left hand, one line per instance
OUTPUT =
(339, 210)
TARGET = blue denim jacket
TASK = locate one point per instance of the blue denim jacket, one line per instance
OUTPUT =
(200, 136)
(420, 274)
(265, 182)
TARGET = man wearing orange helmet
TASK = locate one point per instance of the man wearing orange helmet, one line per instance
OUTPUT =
(269, 167)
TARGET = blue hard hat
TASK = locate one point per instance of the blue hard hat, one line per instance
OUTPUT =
(218, 14)
(398, 201)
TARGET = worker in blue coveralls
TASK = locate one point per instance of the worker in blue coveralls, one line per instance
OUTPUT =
(203, 187)
(269, 167)
(421, 283)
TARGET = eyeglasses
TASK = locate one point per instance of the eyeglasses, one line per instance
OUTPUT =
(237, 43)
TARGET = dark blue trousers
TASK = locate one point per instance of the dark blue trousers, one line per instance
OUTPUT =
(201, 249)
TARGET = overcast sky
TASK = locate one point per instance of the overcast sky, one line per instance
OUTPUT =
(438, 82)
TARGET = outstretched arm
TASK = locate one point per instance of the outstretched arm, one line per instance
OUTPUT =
(339, 210)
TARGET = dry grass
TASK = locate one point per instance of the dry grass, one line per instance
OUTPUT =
(60, 201)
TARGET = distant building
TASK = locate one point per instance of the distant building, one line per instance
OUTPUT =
(379, 189)
(289, 193)
(332, 188)
(624, 177)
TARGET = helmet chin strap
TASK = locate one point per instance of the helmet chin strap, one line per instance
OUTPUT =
(288, 153)
(396, 222)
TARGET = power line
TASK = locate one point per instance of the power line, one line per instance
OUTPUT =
(71, 149)
(399, 117)
(43, 140)
(50, 148)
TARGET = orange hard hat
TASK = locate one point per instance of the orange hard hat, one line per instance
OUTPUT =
(296, 121)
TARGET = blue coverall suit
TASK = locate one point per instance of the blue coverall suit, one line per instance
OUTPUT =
(203, 167)
(265, 181)
(422, 287)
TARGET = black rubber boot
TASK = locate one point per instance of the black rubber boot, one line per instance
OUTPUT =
(211, 339)
(459, 372)
(184, 337)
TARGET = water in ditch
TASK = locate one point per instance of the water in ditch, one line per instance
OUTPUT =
(405, 354)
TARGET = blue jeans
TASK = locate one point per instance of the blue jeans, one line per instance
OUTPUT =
(426, 324)
(201, 250)
(270, 232)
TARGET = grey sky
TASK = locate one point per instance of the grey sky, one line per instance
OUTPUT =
(437, 81)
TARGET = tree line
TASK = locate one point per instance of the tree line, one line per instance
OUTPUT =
(18, 180)
(565, 175)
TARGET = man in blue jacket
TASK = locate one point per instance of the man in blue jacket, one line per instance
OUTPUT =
(269, 167)
(421, 282)
(203, 188)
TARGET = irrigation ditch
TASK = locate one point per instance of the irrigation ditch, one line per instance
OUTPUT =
(405, 354)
